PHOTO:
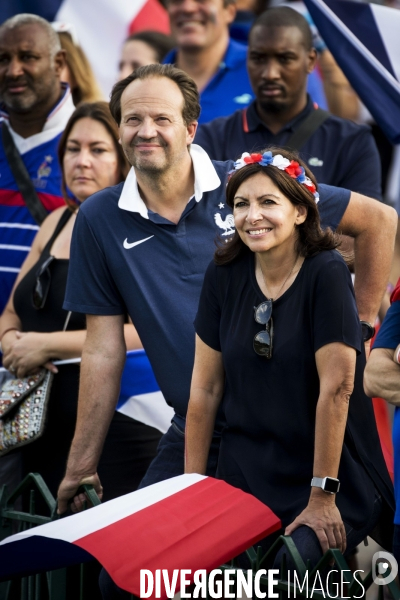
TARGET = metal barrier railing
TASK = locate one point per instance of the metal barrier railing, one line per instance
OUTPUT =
(332, 560)
(52, 585)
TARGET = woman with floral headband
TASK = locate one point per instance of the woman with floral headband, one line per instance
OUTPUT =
(279, 342)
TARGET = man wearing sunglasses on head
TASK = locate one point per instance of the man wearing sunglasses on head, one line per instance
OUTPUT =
(144, 246)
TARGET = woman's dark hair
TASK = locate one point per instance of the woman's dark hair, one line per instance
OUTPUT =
(159, 42)
(98, 111)
(311, 238)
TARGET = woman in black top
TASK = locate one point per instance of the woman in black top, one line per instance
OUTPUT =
(91, 159)
(279, 342)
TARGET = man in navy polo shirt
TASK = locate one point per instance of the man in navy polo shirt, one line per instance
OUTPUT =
(382, 380)
(142, 247)
(280, 59)
(215, 62)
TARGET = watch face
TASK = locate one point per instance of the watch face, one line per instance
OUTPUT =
(331, 485)
(368, 331)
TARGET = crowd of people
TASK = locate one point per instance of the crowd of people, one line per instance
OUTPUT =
(214, 213)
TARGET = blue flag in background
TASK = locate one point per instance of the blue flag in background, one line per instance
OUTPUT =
(365, 42)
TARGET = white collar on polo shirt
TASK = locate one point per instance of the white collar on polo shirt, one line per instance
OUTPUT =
(55, 123)
(205, 180)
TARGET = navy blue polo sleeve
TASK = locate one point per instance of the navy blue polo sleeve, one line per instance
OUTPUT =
(208, 316)
(332, 205)
(334, 311)
(90, 286)
(362, 166)
(209, 141)
(389, 333)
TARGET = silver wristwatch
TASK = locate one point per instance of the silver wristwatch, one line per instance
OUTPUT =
(328, 484)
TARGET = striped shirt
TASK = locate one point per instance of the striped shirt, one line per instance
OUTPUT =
(17, 226)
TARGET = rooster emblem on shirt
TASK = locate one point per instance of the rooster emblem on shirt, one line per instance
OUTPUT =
(228, 224)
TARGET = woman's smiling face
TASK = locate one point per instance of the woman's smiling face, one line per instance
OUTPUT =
(264, 217)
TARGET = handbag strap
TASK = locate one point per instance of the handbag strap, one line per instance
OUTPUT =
(21, 176)
(307, 128)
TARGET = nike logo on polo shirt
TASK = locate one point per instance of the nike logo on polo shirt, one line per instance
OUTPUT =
(129, 246)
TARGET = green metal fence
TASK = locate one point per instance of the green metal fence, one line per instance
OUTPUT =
(53, 585)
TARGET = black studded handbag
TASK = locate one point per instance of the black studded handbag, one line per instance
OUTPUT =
(23, 408)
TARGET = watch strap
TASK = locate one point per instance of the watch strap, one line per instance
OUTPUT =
(330, 485)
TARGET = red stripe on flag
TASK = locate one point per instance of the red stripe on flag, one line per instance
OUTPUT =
(151, 16)
(14, 198)
(200, 527)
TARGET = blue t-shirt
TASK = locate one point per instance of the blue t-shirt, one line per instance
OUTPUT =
(339, 152)
(389, 337)
(230, 89)
(158, 281)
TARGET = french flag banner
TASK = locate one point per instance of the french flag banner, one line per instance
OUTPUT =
(140, 396)
(188, 522)
(364, 40)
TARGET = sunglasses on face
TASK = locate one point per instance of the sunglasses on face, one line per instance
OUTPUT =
(42, 285)
(262, 342)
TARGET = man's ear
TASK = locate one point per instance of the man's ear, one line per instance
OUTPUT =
(230, 12)
(311, 60)
(60, 61)
(191, 131)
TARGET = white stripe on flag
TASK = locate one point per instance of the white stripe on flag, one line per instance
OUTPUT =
(109, 20)
(389, 30)
(356, 42)
(87, 522)
(20, 226)
(150, 409)
(9, 269)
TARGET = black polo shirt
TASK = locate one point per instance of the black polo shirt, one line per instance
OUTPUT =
(339, 153)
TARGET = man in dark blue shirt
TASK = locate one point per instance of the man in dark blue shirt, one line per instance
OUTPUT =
(382, 380)
(215, 62)
(280, 59)
(143, 247)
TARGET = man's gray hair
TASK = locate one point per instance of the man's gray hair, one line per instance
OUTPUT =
(29, 19)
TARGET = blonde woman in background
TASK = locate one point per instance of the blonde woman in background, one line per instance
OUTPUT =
(77, 73)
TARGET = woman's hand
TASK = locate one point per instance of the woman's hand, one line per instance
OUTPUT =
(26, 353)
(323, 517)
(7, 341)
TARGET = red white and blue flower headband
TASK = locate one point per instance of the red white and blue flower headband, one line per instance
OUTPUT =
(291, 167)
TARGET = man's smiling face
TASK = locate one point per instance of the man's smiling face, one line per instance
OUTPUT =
(153, 133)
(198, 24)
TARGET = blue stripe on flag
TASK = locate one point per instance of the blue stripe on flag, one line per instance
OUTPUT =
(44, 8)
(137, 377)
(375, 85)
(37, 554)
(360, 20)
